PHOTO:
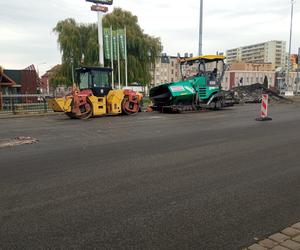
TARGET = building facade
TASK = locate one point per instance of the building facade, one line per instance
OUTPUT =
(235, 78)
(7, 85)
(166, 69)
(252, 66)
(273, 52)
(26, 80)
(294, 61)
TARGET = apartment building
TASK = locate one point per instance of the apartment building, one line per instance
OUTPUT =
(273, 52)
(166, 69)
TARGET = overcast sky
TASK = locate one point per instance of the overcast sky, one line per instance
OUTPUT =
(26, 35)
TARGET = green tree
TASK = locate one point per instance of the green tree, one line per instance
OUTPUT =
(58, 77)
(75, 42)
(142, 49)
(78, 40)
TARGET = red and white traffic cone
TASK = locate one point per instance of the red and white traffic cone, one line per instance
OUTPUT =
(264, 109)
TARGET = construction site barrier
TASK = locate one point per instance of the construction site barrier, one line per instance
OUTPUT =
(264, 109)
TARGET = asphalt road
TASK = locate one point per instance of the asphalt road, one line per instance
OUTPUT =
(205, 181)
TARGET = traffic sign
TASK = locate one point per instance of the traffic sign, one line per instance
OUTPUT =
(99, 8)
(108, 2)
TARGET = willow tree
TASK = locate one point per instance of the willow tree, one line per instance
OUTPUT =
(78, 44)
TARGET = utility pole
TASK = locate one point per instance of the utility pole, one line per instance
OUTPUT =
(298, 69)
(289, 86)
(200, 28)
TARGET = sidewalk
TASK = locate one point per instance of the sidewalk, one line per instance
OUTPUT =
(287, 239)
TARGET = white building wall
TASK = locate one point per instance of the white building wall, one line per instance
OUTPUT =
(249, 78)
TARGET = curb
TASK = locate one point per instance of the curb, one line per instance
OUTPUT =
(287, 239)
(12, 116)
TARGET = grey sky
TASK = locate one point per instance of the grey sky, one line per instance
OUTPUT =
(26, 35)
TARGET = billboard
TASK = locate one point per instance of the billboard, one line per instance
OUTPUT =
(101, 8)
(108, 2)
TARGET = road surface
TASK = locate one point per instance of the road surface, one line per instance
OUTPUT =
(212, 180)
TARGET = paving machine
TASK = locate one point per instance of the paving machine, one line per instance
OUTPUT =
(94, 96)
(200, 87)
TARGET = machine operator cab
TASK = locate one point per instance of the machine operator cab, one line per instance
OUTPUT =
(210, 67)
(97, 79)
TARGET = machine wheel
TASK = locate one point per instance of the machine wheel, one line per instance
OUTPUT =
(125, 103)
(85, 112)
(218, 104)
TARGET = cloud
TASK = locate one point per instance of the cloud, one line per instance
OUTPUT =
(27, 37)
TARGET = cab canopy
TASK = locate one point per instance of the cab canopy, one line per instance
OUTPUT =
(206, 59)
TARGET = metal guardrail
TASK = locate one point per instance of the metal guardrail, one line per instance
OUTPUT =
(22, 104)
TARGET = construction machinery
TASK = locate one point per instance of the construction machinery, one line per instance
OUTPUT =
(94, 96)
(199, 88)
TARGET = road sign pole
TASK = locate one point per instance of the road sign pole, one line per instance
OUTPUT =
(201, 29)
(100, 10)
(100, 38)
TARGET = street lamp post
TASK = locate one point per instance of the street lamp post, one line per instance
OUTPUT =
(298, 70)
(200, 28)
(289, 86)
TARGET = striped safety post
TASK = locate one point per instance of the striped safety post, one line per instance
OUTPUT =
(264, 108)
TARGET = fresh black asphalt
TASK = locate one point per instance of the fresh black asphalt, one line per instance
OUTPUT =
(208, 180)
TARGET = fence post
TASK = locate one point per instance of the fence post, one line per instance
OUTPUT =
(45, 104)
(13, 107)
